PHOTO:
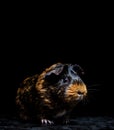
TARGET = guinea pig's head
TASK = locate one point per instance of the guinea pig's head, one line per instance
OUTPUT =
(66, 83)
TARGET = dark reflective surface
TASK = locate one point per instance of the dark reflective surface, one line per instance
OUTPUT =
(79, 123)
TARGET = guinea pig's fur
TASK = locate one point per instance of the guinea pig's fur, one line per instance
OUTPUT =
(51, 95)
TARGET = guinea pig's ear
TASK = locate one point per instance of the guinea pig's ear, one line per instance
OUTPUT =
(78, 69)
(52, 76)
(56, 69)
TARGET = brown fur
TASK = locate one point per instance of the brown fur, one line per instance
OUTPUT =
(39, 99)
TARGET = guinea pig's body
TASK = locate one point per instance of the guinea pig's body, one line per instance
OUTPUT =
(51, 95)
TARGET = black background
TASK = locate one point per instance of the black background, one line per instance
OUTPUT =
(29, 44)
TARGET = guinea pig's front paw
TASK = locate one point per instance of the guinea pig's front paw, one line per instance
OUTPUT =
(66, 121)
(46, 122)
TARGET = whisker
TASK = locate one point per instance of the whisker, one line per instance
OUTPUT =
(94, 85)
(92, 96)
(92, 93)
(85, 101)
(90, 89)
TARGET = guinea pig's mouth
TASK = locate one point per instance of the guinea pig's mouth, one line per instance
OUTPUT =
(74, 99)
(80, 97)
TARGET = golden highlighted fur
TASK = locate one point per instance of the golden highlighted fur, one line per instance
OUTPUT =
(52, 94)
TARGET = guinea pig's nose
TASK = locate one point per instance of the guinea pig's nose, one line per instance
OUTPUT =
(80, 93)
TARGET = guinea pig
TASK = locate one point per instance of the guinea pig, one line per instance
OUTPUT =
(51, 95)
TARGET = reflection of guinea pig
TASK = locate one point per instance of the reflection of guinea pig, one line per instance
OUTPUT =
(51, 95)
